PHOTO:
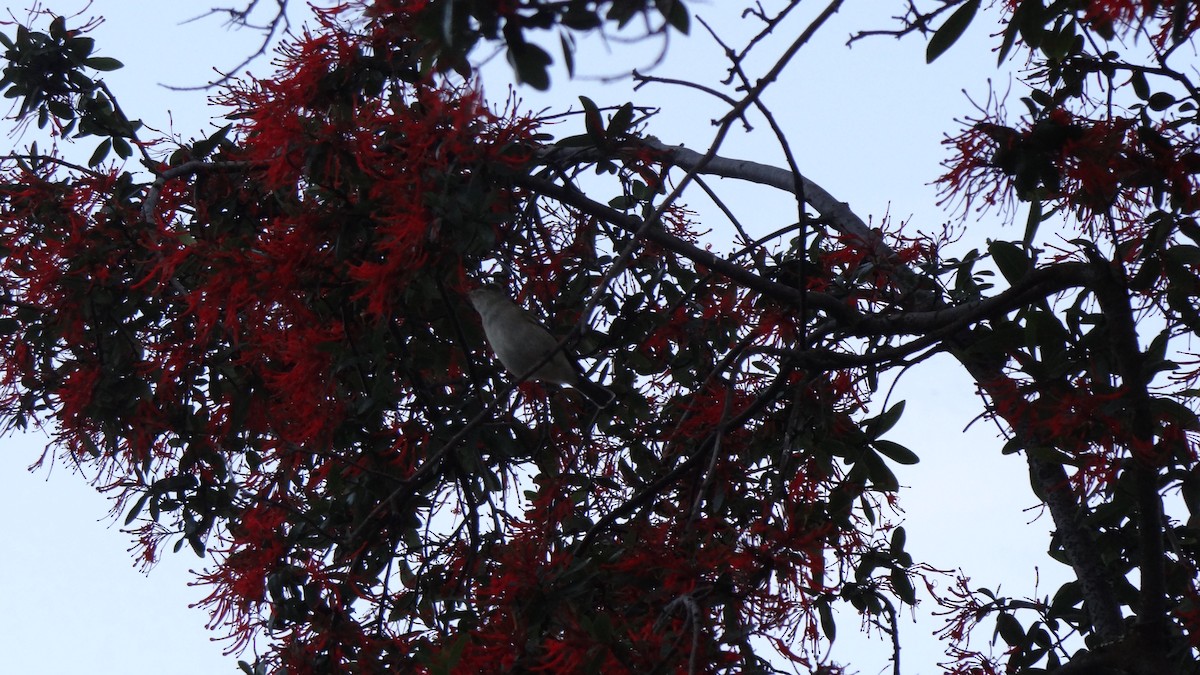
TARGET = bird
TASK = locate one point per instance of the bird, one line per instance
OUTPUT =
(527, 349)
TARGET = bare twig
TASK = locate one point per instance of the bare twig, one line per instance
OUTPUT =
(240, 18)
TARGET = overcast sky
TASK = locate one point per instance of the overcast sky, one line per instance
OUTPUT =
(866, 123)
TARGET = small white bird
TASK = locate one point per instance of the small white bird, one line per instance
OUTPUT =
(521, 344)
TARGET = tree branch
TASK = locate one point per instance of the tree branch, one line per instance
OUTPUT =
(1112, 293)
(1065, 509)
(661, 237)
(772, 176)
(1040, 283)
(951, 324)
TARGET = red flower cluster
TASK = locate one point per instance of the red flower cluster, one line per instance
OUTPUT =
(204, 338)
(1115, 166)
(1106, 15)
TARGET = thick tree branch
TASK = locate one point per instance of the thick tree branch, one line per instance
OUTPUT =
(772, 176)
(1065, 509)
(1112, 293)
(657, 235)
(1095, 581)
(1040, 283)
(931, 318)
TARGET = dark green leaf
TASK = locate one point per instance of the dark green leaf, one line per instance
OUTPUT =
(1031, 20)
(675, 13)
(1034, 219)
(868, 510)
(1059, 43)
(61, 109)
(622, 203)
(592, 121)
(828, 626)
(619, 124)
(1176, 412)
(80, 47)
(1068, 597)
(531, 63)
(1041, 637)
(58, 27)
(1160, 101)
(1010, 629)
(204, 148)
(903, 587)
(881, 424)
(122, 148)
(579, 18)
(101, 152)
(948, 34)
(197, 544)
(878, 472)
(896, 452)
(1146, 276)
(1044, 331)
(1140, 86)
(1010, 36)
(568, 51)
(137, 508)
(1010, 260)
(103, 63)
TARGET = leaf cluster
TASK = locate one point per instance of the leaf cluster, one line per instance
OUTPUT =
(48, 73)
(453, 28)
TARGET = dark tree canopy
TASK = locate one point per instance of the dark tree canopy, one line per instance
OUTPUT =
(262, 342)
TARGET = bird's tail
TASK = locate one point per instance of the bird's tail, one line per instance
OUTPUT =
(600, 396)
